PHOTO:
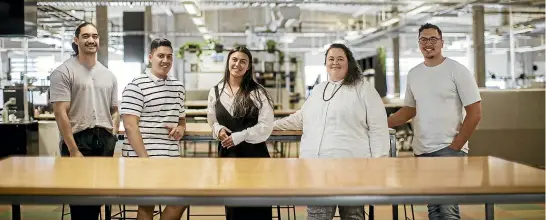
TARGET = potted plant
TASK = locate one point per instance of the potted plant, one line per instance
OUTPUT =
(215, 45)
(281, 57)
(190, 47)
(271, 46)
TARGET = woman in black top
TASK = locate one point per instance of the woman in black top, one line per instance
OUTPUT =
(240, 112)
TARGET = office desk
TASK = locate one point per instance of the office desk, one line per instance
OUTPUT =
(265, 181)
(203, 132)
(200, 104)
(203, 113)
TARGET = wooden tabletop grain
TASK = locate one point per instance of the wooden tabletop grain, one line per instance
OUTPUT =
(265, 176)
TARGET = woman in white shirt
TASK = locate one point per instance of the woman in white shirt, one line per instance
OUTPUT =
(342, 118)
(240, 112)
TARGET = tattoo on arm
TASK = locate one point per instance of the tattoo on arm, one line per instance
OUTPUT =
(115, 119)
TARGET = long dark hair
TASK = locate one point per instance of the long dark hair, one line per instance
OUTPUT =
(77, 34)
(243, 104)
(354, 73)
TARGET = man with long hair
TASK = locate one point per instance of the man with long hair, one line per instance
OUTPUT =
(85, 102)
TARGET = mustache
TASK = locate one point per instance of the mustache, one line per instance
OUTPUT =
(90, 44)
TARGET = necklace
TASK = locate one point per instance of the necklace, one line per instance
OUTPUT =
(324, 92)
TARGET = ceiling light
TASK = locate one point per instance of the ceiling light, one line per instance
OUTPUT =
(369, 31)
(390, 22)
(418, 10)
(523, 30)
(202, 29)
(190, 8)
(168, 11)
(198, 21)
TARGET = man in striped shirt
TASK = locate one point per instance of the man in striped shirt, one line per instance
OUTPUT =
(153, 114)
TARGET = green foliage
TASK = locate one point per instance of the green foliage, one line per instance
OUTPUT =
(271, 46)
(191, 47)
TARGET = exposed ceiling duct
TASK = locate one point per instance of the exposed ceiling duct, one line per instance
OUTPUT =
(390, 29)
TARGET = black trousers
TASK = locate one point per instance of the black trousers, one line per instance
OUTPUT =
(92, 142)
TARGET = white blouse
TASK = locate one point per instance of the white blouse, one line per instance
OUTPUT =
(352, 124)
(255, 134)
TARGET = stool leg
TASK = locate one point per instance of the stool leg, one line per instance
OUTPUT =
(294, 211)
(107, 212)
(125, 211)
(62, 213)
(394, 211)
(371, 212)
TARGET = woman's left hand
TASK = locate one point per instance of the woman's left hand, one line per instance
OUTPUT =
(227, 142)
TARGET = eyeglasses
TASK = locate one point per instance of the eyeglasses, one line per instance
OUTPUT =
(432, 40)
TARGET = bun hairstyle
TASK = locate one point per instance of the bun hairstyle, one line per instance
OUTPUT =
(77, 34)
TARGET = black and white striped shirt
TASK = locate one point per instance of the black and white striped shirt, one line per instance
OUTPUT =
(158, 103)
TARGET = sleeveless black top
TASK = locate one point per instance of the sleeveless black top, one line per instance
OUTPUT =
(243, 149)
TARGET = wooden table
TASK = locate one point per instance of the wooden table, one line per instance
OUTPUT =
(200, 104)
(203, 113)
(266, 181)
(203, 132)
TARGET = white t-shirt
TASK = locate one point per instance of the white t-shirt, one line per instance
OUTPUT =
(439, 95)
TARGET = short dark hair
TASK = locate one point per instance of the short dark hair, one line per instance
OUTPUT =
(160, 42)
(430, 26)
(354, 72)
(77, 34)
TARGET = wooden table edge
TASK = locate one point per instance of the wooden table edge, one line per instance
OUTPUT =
(272, 192)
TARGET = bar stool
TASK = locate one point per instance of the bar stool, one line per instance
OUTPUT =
(123, 212)
(370, 214)
(393, 152)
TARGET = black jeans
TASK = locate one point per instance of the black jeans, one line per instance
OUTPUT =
(92, 142)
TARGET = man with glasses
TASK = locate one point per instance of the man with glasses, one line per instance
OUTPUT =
(437, 91)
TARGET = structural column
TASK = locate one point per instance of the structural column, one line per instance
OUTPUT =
(396, 57)
(478, 29)
(102, 28)
(147, 29)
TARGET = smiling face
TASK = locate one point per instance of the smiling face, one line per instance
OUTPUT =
(238, 64)
(336, 64)
(161, 59)
(430, 43)
(87, 40)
